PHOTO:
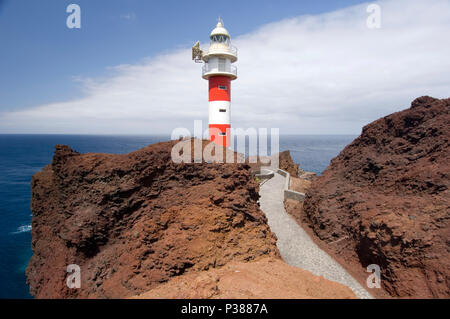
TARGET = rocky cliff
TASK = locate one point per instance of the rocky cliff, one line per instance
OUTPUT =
(288, 165)
(140, 224)
(385, 200)
(133, 221)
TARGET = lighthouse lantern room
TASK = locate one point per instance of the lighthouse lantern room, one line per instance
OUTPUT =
(219, 72)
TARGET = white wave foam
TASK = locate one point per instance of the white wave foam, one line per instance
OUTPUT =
(23, 229)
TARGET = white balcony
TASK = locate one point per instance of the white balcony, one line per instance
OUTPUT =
(219, 69)
(228, 51)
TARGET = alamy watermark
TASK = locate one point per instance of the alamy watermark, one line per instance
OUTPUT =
(73, 280)
(74, 19)
(258, 148)
(374, 279)
(374, 19)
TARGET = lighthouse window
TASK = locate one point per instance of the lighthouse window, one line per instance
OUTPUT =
(219, 38)
(223, 87)
(222, 133)
(222, 110)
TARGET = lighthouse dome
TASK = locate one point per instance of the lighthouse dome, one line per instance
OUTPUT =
(219, 30)
(220, 45)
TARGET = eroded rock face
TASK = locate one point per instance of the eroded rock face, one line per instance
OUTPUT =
(388, 193)
(288, 165)
(133, 221)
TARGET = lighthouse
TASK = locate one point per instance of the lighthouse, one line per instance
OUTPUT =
(219, 72)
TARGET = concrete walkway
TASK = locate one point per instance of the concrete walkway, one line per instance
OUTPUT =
(296, 247)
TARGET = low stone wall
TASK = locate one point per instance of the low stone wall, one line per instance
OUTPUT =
(283, 173)
(265, 176)
(290, 194)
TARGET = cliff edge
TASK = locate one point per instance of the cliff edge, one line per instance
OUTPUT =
(140, 224)
(133, 221)
(385, 200)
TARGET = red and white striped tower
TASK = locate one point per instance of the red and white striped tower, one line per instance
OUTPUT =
(219, 72)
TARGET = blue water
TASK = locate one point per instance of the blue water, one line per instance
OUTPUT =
(23, 155)
(314, 152)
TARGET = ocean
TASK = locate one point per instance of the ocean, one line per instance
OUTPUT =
(23, 155)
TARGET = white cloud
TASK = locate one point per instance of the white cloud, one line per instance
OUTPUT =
(318, 74)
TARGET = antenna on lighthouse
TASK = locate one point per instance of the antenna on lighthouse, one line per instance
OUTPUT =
(197, 53)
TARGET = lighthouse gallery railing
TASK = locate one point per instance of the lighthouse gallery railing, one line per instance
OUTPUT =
(229, 49)
(221, 67)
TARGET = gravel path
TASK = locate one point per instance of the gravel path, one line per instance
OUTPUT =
(295, 246)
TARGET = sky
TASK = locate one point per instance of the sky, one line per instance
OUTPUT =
(306, 67)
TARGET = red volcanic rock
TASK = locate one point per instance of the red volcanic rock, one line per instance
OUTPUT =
(385, 200)
(133, 221)
(261, 279)
(287, 164)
